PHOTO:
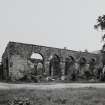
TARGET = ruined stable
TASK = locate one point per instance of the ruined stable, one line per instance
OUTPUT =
(18, 58)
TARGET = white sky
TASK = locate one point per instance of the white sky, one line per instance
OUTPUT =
(55, 23)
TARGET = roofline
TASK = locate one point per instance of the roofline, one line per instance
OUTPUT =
(49, 47)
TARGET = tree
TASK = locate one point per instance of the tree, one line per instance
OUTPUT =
(101, 24)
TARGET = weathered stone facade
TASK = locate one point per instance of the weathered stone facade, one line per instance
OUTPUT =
(16, 58)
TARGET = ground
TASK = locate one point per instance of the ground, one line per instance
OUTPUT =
(54, 94)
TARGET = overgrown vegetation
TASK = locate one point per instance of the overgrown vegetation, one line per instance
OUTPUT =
(82, 96)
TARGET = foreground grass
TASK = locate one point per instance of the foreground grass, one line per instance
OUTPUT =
(82, 96)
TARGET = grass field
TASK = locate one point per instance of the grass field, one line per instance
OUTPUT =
(80, 96)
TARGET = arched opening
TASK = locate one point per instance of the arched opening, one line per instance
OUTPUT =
(38, 63)
(54, 68)
(82, 60)
(69, 61)
(92, 61)
(92, 64)
(36, 56)
(83, 68)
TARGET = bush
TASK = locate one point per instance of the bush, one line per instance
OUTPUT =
(20, 101)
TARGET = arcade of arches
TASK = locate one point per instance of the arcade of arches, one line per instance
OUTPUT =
(33, 61)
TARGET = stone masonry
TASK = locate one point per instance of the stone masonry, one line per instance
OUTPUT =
(16, 58)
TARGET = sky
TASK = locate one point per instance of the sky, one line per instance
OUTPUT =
(54, 23)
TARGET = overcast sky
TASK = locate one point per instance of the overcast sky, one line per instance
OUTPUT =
(55, 23)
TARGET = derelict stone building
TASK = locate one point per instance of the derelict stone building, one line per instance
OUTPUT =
(17, 58)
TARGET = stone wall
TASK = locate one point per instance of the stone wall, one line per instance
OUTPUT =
(18, 54)
(18, 67)
(25, 50)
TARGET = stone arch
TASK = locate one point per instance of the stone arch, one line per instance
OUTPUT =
(92, 64)
(83, 68)
(37, 60)
(69, 60)
(92, 61)
(72, 58)
(82, 60)
(54, 66)
(36, 55)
